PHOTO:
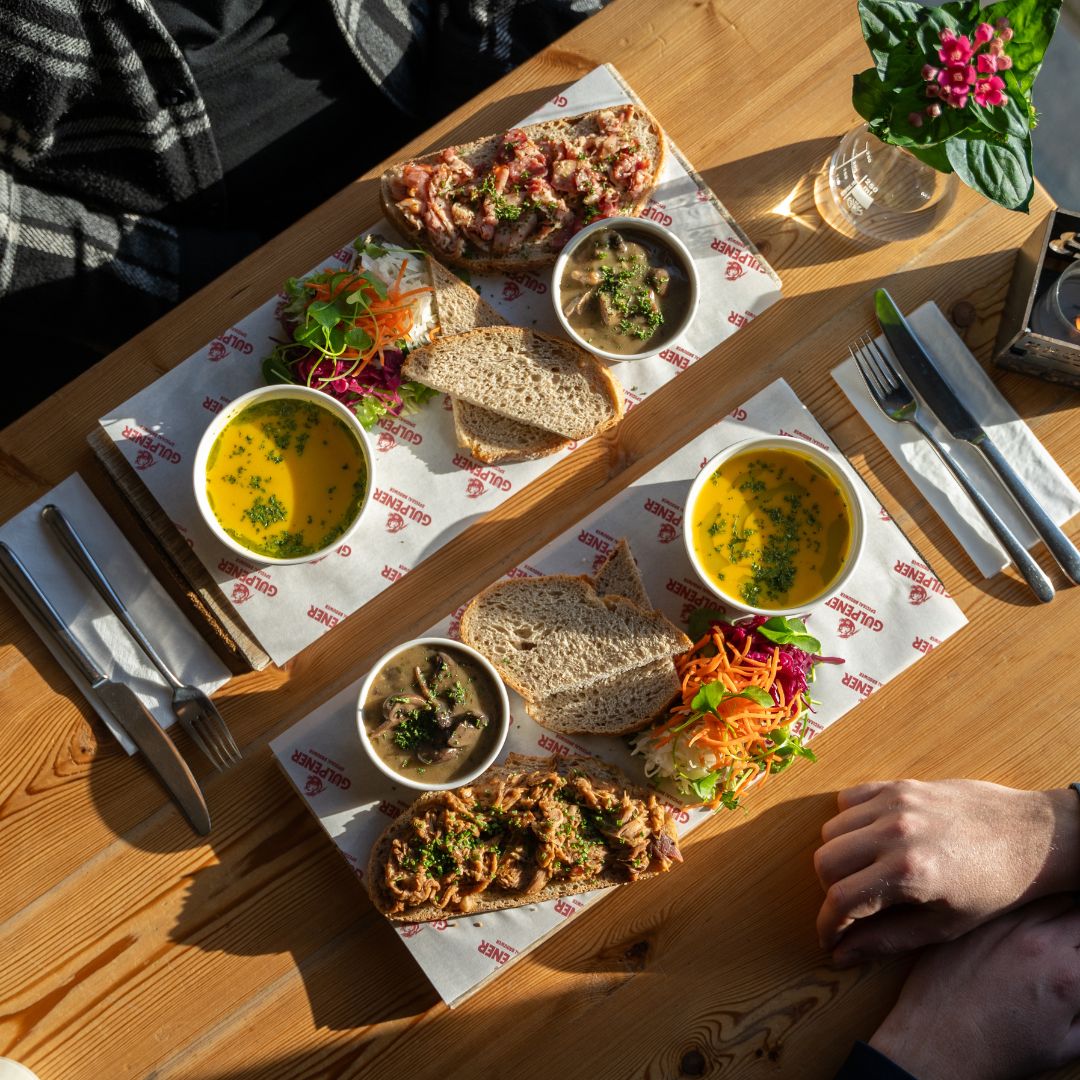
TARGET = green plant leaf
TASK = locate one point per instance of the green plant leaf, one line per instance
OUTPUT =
(888, 26)
(1013, 117)
(275, 370)
(997, 166)
(701, 619)
(377, 284)
(933, 130)
(783, 630)
(324, 312)
(708, 697)
(869, 95)
(1033, 23)
(358, 338)
(935, 156)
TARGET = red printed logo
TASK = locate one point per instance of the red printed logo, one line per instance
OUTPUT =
(847, 628)
(144, 459)
(411, 930)
(656, 212)
(511, 290)
(218, 351)
(667, 533)
(240, 593)
(313, 786)
(394, 522)
(733, 271)
(474, 489)
(918, 595)
(385, 442)
(883, 514)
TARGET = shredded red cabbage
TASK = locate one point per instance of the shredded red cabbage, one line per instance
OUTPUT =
(794, 665)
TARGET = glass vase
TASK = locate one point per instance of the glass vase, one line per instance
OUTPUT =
(873, 191)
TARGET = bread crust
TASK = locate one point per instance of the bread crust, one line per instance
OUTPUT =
(482, 151)
(496, 899)
(598, 373)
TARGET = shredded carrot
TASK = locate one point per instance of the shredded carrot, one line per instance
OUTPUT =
(737, 730)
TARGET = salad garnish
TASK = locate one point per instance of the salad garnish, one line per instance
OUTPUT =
(743, 709)
(351, 329)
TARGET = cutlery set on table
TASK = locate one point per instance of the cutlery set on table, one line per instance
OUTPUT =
(191, 705)
(893, 388)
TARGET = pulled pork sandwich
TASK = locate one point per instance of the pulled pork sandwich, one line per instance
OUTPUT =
(532, 829)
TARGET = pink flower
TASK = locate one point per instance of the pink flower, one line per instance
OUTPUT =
(929, 72)
(915, 119)
(933, 111)
(1002, 23)
(957, 76)
(983, 33)
(996, 47)
(947, 36)
(933, 90)
(958, 51)
(988, 92)
(987, 64)
(1006, 34)
(1004, 63)
(956, 97)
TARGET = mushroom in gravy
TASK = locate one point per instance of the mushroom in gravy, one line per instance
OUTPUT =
(432, 713)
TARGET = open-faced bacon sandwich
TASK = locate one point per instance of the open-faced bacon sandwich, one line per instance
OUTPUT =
(511, 201)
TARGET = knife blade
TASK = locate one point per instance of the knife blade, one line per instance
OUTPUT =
(943, 401)
(119, 700)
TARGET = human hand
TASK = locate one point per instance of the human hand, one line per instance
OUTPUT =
(907, 863)
(1001, 1002)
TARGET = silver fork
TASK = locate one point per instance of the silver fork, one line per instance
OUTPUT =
(195, 711)
(899, 404)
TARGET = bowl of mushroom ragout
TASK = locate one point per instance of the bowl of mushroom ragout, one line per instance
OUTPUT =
(433, 714)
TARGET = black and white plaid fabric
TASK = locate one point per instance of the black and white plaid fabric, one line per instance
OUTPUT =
(103, 135)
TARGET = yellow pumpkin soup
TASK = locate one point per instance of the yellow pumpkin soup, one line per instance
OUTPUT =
(771, 528)
(286, 478)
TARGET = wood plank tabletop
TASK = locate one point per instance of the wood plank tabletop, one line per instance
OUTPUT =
(131, 949)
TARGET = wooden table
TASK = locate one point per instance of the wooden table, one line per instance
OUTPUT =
(130, 949)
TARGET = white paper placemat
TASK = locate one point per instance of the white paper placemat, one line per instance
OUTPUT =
(427, 489)
(1014, 438)
(892, 612)
(88, 616)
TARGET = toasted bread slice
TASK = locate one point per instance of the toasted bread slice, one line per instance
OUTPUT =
(552, 634)
(489, 437)
(527, 376)
(616, 705)
(516, 770)
(640, 128)
(619, 575)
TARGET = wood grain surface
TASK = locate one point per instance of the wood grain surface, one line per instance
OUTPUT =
(130, 949)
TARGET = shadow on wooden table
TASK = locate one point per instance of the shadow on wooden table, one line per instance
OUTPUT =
(771, 195)
(756, 997)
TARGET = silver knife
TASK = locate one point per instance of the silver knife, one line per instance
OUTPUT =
(943, 401)
(119, 700)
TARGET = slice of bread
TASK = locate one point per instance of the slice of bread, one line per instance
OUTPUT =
(619, 576)
(527, 376)
(496, 439)
(480, 155)
(516, 767)
(550, 634)
(489, 437)
(615, 705)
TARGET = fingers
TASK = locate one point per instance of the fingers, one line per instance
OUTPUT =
(855, 817)
(861, 793)
(896, 930)
(845, 855)
(853, 898)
